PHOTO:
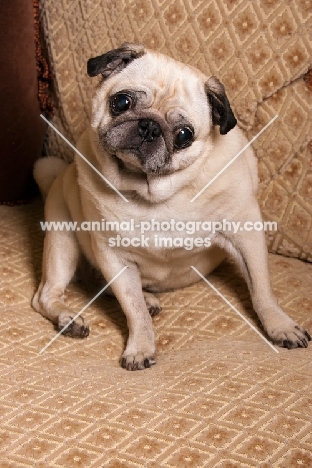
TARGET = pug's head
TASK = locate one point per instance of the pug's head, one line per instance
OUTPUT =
(152, 113)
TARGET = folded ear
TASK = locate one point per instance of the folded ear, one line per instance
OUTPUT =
(115, 60)
(222, 113)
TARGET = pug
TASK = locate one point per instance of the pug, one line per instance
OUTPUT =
(160, 130)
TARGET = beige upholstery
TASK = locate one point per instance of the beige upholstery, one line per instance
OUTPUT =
(219, 396)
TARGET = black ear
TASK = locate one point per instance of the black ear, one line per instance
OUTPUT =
(222, 113)
(115, 60)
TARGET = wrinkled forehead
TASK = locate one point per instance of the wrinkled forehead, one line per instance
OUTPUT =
(164, 77)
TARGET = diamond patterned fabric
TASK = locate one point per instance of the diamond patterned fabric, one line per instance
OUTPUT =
(218, 397)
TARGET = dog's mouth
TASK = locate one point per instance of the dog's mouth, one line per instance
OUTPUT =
(141, 145)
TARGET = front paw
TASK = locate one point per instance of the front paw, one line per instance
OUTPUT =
(152, 304)
(138, 361)
(77, 328)
(290, 336)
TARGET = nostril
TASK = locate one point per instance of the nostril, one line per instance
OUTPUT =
(157, 130)
(148, 129)
(143, 123)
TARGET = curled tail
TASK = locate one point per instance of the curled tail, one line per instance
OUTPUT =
(45, 172)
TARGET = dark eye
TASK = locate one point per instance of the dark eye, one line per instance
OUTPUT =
(120, 103)
(184, 137)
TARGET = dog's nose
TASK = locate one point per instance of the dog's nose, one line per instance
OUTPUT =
(149, 129)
